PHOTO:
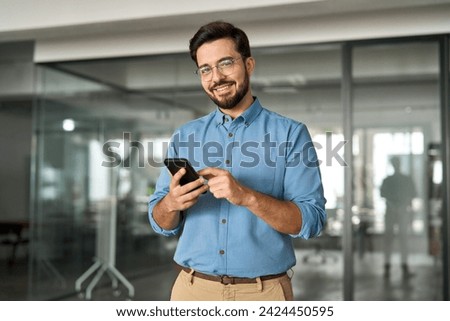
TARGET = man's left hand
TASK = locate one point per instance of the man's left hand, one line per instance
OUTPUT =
(223, 185)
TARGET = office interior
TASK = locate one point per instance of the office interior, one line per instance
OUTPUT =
(83, 139)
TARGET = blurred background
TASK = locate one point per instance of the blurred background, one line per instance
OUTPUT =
(87, 83)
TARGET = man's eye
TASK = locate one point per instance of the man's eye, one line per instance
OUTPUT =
(205, 70)
(226, 63)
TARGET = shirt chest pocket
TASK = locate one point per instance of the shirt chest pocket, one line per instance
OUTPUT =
(262, 172)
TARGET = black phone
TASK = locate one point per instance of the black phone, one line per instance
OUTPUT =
(175, 164)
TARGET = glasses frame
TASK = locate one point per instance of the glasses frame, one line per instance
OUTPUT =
(218, 67)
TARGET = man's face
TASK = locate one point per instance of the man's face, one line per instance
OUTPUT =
(225, 91)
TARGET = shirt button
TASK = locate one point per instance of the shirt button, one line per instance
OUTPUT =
(222, 252)
(224, 221)
(227, 162)
(230, 135)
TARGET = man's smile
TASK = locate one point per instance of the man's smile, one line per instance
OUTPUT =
(222, 87)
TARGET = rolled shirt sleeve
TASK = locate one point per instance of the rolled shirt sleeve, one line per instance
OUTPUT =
(161, 190)
(302, 182)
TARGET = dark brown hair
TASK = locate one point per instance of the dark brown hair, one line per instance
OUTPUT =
(218, 30)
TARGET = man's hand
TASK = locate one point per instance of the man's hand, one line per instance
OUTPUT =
(180, 197)
(223, 185)
(167, 212)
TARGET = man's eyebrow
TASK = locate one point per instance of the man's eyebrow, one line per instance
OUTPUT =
(218, 61)
(225, 58)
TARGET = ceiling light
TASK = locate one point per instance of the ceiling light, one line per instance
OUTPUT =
(68, 125)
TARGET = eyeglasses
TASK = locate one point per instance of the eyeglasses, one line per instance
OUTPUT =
(225, 66)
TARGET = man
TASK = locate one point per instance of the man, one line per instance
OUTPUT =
(263, 184)
(398, 189)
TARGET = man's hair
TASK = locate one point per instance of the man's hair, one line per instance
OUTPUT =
(218, 30)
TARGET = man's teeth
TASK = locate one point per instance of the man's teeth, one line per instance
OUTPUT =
(221, 88)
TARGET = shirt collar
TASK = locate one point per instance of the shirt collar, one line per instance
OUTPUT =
(248, 116)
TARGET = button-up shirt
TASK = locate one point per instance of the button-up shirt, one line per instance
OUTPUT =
(264, 151)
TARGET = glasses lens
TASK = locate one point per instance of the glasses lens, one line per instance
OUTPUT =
(203, 71)
(226, 66)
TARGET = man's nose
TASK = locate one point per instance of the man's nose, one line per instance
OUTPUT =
(216, 75)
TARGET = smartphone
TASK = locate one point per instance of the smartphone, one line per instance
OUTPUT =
(175, 164)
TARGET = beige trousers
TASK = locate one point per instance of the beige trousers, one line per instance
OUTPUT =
(190, 288)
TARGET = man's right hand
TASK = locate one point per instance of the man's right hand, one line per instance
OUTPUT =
(167, 212)
(183, 197)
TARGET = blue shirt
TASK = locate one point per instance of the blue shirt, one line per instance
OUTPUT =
(264, 151)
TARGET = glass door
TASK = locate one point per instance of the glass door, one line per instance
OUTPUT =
(396, 171)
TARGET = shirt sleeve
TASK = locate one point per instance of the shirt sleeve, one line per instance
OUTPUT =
(161, 190)
(303, 183)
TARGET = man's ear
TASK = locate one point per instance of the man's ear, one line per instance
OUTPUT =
(250, 65)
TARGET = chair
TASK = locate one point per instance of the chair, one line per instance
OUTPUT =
(14, 237)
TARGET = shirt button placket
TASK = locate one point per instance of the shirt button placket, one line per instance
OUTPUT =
(228, 161)
(223, 221)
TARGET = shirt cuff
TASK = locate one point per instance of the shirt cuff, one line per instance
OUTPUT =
(158, 229)
(313, 220)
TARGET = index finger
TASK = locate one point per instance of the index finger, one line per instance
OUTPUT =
(210, 172)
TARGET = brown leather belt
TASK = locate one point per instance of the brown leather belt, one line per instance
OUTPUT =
(225, 279)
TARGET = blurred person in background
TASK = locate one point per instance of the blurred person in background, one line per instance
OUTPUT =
(398, 189)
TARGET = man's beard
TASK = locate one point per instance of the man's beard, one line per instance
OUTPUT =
(230, 102)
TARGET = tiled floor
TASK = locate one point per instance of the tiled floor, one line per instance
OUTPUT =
(313, 279)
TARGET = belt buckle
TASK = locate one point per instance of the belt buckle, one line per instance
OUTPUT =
(225, 279)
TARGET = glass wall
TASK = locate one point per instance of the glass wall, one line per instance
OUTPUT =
(93, 178)
(396, 170)
(304, 84)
